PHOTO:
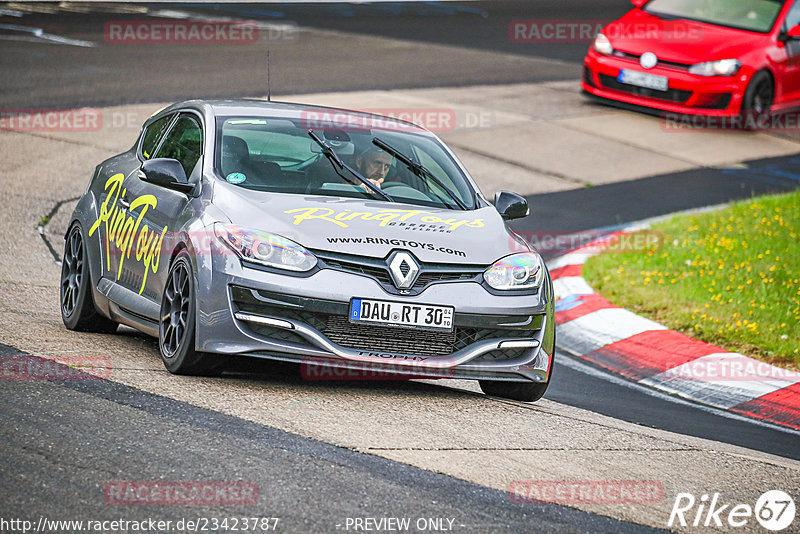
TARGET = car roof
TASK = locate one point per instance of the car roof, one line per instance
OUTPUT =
(288, 110)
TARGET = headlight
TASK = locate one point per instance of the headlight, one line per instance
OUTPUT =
(603, 45)
(723, 67)
(518, 271)
(265, 248)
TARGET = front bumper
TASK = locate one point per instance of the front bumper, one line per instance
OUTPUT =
(687, 94)
(269, 315)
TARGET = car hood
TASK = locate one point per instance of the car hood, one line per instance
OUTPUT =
(372, 228)
(680, 40)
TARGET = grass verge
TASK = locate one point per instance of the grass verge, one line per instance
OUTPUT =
(729, 277)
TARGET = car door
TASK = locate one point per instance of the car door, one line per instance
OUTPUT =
(790, 79)
(115, 222)
(161, 211)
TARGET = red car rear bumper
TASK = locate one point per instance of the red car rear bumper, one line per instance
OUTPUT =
(687, 93)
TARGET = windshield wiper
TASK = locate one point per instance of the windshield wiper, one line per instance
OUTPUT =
(417, 168)
(338, 164)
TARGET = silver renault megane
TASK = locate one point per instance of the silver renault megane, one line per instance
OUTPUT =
(331, 238)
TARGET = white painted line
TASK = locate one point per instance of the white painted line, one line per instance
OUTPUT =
(574, 363)
(572, 258)
(39, 33)
(602, 327)
(199, 17)
(571, 285)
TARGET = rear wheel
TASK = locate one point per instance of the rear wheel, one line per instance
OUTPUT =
(758, 99)
(77, 305)
(177, 325)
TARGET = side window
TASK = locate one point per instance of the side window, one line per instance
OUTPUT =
(153, 134)
(184, 142)
(793, 17)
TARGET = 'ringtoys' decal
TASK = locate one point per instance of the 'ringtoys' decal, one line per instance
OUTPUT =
(123, 227)
(383, 216)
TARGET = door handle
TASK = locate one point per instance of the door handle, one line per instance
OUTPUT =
(125, 203)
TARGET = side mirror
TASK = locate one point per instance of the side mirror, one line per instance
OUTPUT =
(794, 32)
(510, 205)
(639, 3)
(165, 172)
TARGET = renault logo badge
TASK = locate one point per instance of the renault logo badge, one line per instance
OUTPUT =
(404, 269)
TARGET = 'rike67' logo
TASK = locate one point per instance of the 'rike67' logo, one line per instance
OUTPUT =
(123, 227)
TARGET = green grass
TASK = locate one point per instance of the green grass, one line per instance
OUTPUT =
(729, 277)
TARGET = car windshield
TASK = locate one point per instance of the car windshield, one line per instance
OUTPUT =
(278, 155)
(752, 15)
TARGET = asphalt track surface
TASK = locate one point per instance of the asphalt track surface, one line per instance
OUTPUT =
(452, 44)
(72, 419)
(310, 486)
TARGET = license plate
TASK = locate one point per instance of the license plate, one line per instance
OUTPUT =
(642, 79)
(401, 314)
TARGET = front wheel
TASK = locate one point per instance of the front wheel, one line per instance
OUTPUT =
(521, 391)
(177, 324)
(758, 99)
(77, 305)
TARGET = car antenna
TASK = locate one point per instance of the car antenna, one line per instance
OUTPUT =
(269, 95)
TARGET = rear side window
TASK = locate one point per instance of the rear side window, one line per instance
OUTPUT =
(153, 134)
(184, 142)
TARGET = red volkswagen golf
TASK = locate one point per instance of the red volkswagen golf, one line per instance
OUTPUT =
(700, 57)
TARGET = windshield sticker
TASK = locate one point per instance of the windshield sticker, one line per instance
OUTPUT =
(254, 122)
(410, 219)
(123, 227)
(236, 178)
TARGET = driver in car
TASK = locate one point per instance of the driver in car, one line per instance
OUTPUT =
(374, 164)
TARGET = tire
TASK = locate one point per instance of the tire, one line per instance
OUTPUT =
(521, 391)
(758, 99)
(78, 310)
(176, 328)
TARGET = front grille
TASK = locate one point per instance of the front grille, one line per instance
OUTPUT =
(500, 355)
(670, 95)
(721, 101)
(375, 272)
(277, 334)
(338, 328)
(377, 269)
(587, 76)
(386, 339)
(661, 62)
(426, 278)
